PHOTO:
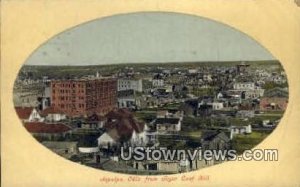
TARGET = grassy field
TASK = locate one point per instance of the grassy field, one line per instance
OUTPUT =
(279, 112)
(193, 134)
(267, 117)
(146, 116)
(184, 140)
(242, 142)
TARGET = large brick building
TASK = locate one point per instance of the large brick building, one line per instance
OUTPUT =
(84, 97)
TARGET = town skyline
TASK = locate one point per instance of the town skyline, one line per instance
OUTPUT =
(89, 114)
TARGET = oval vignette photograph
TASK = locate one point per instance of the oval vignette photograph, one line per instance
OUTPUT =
(150, 93)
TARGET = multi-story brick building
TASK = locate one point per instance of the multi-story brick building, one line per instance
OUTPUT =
(84, 97)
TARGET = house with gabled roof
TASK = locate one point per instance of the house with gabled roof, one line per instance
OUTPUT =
(122, 127)
(53, 115)
(47, 131)
(166, 125)
(29, 114)
(93, 121)
(215, 140)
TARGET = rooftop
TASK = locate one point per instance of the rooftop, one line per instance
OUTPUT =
(41, 127)
(24, 112)
(58, 144)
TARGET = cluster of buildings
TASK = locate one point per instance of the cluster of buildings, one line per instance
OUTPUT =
(89, 119)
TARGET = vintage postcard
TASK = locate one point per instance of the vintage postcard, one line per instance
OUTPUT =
(152, 93)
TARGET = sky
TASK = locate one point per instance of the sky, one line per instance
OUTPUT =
(151, 37)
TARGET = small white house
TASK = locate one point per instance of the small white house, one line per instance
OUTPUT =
(35, 116)
(130, 84)
(111, 138)
(139, 139)
(217, 105)
(244, 86)
(268, 123)
(219, 95)
(53, 115)
(126, 102)
(29, 114)
(234, 130)
(106, 141)
(88, 150)
(158, 82)
(164, 125)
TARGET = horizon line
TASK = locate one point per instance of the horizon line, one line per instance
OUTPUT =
(175, 62)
